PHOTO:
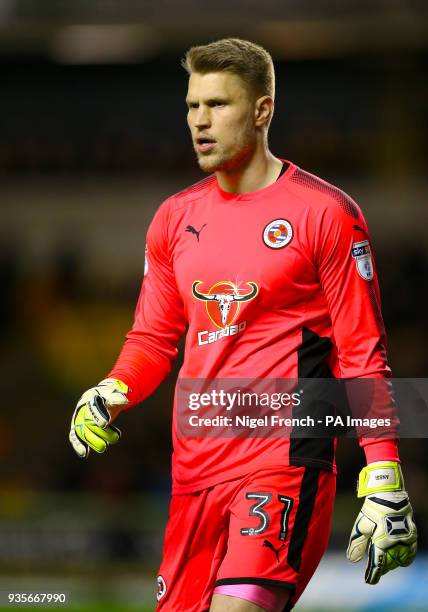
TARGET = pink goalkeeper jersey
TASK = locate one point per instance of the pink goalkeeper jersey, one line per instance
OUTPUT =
(298, 250)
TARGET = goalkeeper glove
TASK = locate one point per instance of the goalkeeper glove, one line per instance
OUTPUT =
(385, 523)
(90, 425)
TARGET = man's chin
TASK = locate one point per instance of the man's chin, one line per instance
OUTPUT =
(221, 163)
(209, 164)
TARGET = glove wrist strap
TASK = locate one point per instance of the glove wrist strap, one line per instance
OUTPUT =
(118, 384)
(380, 476)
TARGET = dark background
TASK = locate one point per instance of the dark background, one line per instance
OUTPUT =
(92, 138)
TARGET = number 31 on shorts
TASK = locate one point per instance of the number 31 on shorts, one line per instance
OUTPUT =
(258, 509)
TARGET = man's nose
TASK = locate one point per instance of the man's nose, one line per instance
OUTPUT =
(203, 118)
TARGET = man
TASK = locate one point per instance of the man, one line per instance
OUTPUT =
(270, 268)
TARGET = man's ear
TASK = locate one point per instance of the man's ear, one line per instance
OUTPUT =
(264, 111)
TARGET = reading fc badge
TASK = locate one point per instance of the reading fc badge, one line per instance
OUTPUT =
(277, 234)
(363, 258)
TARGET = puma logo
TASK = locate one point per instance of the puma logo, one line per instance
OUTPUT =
(272, 547)
(192, 230)
(360, 229)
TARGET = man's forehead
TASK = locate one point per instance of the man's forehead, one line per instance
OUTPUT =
(215, 83)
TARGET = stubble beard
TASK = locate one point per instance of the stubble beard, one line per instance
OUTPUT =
(225, 162)
(212, 163)
(228, 161)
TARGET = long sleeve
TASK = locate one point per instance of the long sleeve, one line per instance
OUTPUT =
(151, 345)
(349, 280)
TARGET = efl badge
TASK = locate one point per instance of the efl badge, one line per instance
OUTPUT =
(363, 258)
(161, 587)
(146, 261)
(277, 234)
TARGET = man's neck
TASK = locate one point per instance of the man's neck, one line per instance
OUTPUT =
(259, 171)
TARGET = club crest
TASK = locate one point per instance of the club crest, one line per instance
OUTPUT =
(278, 233)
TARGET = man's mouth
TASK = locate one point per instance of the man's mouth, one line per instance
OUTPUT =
(205, 144)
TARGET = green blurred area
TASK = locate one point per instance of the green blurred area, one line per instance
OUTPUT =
(101, 606)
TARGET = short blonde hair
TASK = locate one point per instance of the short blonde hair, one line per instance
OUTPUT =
(249, 61)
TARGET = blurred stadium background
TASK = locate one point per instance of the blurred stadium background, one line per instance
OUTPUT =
(92, 139)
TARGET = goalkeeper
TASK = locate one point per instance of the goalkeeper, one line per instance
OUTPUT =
(269, 271)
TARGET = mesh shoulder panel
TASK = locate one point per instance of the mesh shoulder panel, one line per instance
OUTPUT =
(313, 182)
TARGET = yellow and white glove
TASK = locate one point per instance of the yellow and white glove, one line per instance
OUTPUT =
(385, 523)
(90, 425)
